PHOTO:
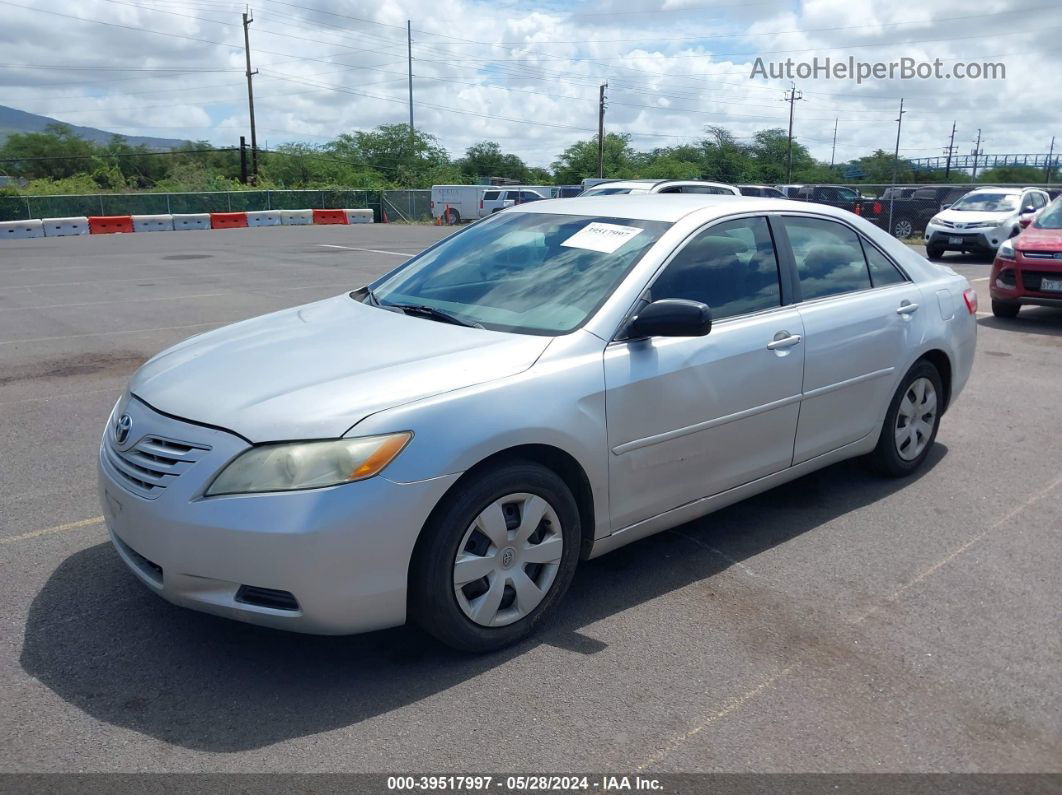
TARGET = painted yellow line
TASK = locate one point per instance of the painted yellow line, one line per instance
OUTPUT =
(59, 528)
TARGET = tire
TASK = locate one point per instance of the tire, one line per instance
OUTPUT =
(1006, 309)
(902, 228)
(452, 217)
(485, 614)
(934, 252)
(898, 454)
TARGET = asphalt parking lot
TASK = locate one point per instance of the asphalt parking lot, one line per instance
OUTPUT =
(839, 623)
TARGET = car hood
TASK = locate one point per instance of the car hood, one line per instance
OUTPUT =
(1034, 239)
(969, 218)
(311, 372)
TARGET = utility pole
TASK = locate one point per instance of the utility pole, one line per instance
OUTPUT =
(833, 151)
(976, 154)
(791, 97)
(243, 160)
(895, 162)
(1050, 164)
(409, 54)
(950, 151)
(247, 20)
(601, 132)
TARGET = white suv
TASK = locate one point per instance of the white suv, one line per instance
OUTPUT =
(981, 220)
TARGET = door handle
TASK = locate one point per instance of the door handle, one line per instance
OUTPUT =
(783, 342)
(907, 308)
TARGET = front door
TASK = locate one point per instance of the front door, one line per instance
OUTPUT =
(692, 417)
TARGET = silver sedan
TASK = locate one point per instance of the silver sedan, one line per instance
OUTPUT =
(445, 444)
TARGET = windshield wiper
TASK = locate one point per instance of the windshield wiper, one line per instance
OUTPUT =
(432, 313)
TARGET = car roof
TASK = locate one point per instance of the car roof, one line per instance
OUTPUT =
(669, 207)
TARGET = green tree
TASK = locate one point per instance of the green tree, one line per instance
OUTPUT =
(579, 161)
(390, 149)
(768, 152)
(486, 159)
(877, 168)
(54, 153)
(725, 160)
(1024, 174)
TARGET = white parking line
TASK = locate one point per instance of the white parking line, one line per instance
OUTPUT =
(982, 279)
(369, 250)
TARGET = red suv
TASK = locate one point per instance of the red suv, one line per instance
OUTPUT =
(1028, 268)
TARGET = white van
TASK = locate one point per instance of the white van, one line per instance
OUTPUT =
(456, 203)
(495, 199)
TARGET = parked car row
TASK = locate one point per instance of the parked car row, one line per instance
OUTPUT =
(1028, 268)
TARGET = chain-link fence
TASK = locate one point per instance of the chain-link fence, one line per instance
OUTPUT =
(17, 208)
(406, 205)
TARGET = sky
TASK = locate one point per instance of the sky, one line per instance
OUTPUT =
(527, 74)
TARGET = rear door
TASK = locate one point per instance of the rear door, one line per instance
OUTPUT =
(861, 316)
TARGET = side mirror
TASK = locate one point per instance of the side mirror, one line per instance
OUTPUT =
(671, 317)
(945, 206)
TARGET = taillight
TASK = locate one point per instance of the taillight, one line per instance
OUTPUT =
(858, 209)
(481, 204)
(877, 208)
(969, 295)
(433, 204)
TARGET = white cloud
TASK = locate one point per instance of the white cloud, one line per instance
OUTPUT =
(528, 76)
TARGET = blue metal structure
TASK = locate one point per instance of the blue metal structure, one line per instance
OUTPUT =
(986, 161)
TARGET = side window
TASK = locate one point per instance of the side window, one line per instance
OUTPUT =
(490, 195)
(829, 257)
(1037, 200)
(731, 267)
(882, 271)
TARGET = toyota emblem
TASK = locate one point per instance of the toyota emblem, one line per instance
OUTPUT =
(122, 426)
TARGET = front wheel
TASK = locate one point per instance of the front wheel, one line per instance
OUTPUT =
(911, 423)
(496, 558)
(1007, 309)
(934, 252)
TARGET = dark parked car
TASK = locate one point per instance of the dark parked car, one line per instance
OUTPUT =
(764, 191)
(910, 212)
(834, 195)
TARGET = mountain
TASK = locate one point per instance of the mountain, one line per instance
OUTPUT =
(19, 121)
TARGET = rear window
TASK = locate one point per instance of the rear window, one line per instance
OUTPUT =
(490, 195)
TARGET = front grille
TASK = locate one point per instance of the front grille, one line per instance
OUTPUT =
(1031, 280)
(151, 464)
(1042, 254)
(266, 597)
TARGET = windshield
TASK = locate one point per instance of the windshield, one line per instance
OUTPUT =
(534, 273)
(1051, 218)
(987, 203)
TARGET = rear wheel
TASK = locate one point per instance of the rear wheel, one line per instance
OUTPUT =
(1006, 309)
(453, 218)
(902, 228)
(911, 423)
(496, 558)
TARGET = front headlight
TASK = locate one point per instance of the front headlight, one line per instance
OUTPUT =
(935, 220)
(308, 465)
(1006, 250)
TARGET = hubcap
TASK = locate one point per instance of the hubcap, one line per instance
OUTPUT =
(916, 418)
(508, 559)
(902, 229)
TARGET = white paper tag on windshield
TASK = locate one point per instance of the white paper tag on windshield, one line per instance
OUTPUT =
(605, 238)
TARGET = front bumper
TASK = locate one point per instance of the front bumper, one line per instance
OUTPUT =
(1021, 281)
(342, 552)
(983, 240)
